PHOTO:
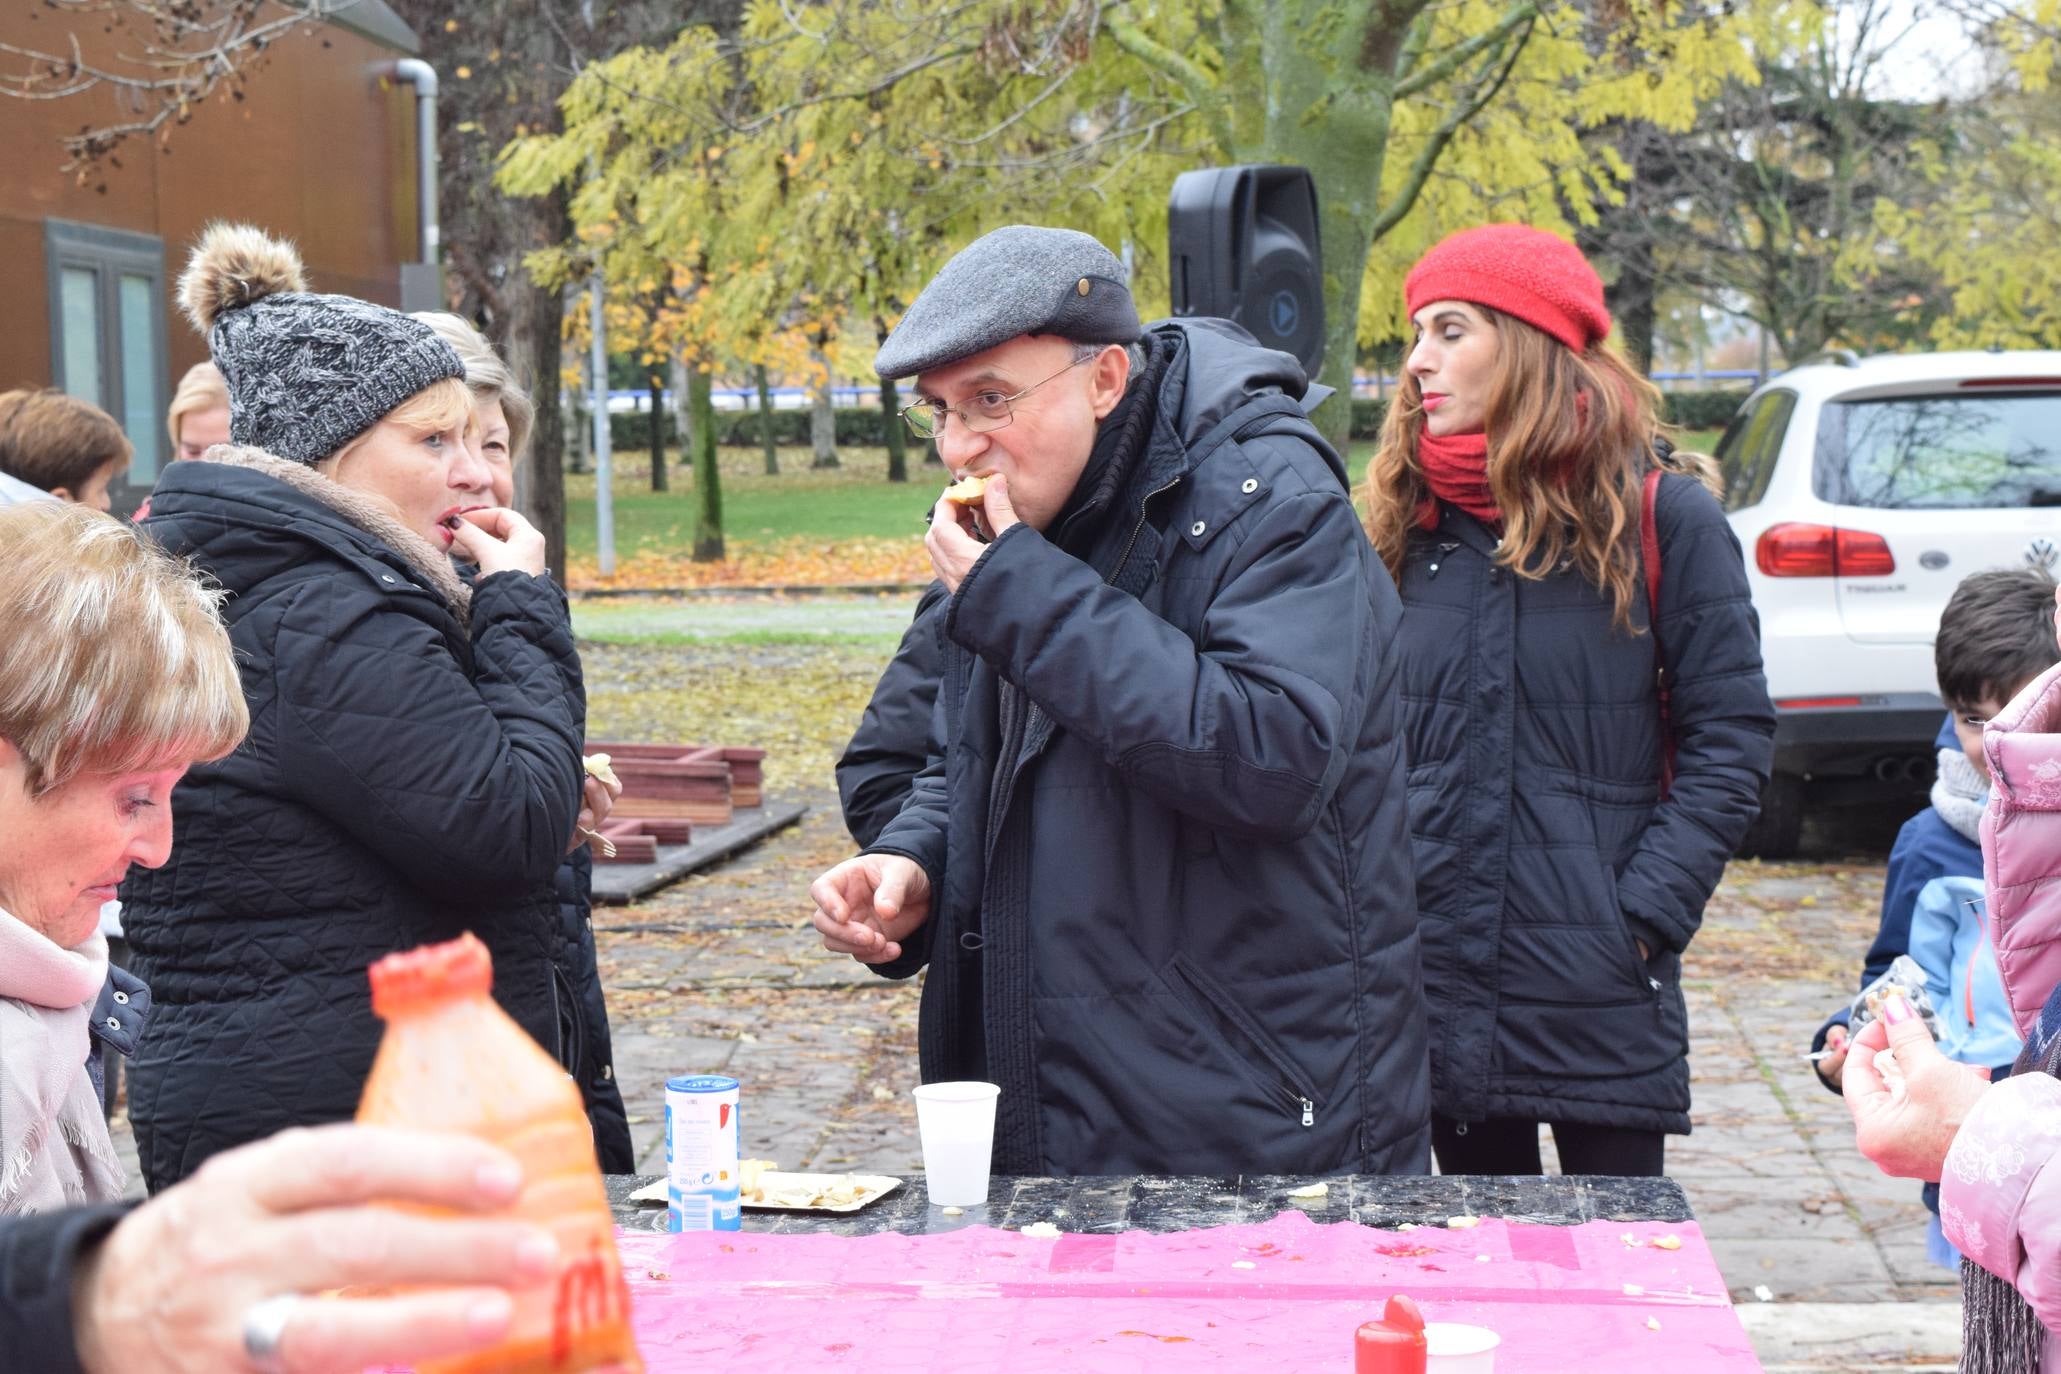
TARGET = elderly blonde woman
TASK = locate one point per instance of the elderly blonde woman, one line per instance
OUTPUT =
(506, 414)
(413, 769)
(116, 678)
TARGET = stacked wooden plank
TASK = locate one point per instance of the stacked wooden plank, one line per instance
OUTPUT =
(747, 776)
(670, 782)
(636, 840)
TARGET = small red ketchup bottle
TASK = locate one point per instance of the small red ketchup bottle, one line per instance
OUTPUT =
(1393, 1345)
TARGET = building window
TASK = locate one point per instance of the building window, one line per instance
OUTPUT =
(107, 330)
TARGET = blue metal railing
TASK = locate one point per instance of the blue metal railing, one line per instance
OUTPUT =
(636, 401)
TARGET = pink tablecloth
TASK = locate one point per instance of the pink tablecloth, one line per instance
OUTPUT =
(1284, 1295)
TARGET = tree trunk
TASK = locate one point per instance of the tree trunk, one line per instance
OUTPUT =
(708, 485)
(678, 413)
(822, 414)
(891, 427)
(656, 387)
(536, 346)
(766, 437)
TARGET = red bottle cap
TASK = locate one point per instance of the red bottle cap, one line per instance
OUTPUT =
(1393, 1345)
(431, 973)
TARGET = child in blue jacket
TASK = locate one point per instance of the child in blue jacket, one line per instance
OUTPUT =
(1995, 636)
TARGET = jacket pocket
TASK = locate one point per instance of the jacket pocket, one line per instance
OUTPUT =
(1636, 966)
(1241, 1039)
(565, 1003)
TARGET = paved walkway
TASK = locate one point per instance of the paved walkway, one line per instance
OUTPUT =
(721, 974)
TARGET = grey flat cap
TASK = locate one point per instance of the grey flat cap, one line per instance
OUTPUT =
(1017, 280)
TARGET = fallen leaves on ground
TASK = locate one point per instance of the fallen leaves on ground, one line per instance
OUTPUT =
(798, 702)
(792, 562)
(1787, 920)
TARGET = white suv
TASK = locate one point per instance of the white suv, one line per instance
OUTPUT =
(1863, 492)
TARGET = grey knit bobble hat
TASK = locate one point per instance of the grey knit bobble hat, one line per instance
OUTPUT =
(1021, 279)
(307, 373)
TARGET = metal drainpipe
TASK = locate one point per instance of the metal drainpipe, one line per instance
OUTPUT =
(424, 78)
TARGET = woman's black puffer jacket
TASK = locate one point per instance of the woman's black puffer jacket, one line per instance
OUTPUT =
(412, 772)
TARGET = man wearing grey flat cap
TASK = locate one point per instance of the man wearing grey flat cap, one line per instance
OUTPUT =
(1158, 862)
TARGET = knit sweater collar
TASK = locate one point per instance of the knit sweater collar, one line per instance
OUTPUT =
(1959, 794)
(1120, 441)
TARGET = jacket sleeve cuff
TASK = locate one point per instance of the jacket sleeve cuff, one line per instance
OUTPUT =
(967, 595)
(1998, 1199)
(1648, 934)
(916, 949)
(38, 1255)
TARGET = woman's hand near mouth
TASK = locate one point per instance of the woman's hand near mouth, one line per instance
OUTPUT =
(498, 540)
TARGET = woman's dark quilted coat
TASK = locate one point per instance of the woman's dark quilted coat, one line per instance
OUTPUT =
(412, 772)
(1543, 848)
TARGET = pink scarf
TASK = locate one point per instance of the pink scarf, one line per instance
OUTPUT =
(54, 1146)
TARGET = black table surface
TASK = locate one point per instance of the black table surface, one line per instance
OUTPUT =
(1146, 1203)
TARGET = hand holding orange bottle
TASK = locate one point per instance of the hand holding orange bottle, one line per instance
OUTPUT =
(452, 1060)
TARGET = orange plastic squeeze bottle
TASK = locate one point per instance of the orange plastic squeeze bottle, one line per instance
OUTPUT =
(452, 1060)
(1393, 1345)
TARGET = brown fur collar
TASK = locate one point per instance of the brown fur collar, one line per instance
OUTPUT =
(370, 513)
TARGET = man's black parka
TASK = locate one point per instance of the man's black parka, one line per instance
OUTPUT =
(1164, 820)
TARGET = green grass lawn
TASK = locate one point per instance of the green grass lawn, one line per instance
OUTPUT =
(855, 501)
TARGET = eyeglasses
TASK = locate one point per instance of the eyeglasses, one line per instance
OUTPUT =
(985, 411)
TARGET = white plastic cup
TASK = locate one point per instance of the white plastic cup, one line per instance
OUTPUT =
(957, 1123)
(1456, 1348)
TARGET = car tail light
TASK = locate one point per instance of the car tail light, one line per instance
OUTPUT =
(1798, 550)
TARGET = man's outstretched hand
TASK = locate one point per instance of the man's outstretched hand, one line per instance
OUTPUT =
(866, 907)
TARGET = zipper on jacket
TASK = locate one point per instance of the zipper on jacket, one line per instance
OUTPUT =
(1143, 505)
(1292, 1093)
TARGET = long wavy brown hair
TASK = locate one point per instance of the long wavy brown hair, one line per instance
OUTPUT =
(1570, 436)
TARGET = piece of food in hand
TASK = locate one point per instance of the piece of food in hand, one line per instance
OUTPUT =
(598, 768)
(967, 491)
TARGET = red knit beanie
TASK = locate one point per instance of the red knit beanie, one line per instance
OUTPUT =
(1537, 277)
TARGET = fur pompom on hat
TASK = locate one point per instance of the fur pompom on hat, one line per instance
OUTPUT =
(233, 265)
(307, 373)
(1527, 273)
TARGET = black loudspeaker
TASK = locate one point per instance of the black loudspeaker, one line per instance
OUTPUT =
(1243, 245)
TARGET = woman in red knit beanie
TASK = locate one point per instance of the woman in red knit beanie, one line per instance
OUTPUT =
(1580, 768)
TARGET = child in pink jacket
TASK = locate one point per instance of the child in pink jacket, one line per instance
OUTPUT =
(2000, 1189)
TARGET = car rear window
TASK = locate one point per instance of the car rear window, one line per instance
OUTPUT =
(1958, 452)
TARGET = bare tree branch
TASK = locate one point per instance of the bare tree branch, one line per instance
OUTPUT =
(1488, 83)
(1200, 87)
(1452, 59)
(190, 54)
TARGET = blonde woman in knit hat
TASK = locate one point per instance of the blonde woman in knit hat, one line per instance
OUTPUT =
(1581, 766)
(413, 768)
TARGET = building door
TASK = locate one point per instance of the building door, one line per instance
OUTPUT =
(107, 336)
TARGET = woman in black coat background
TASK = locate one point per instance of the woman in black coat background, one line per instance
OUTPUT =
(1560, 872)
(414, 764)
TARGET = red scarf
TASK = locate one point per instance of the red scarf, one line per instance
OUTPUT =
(1456, 469)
